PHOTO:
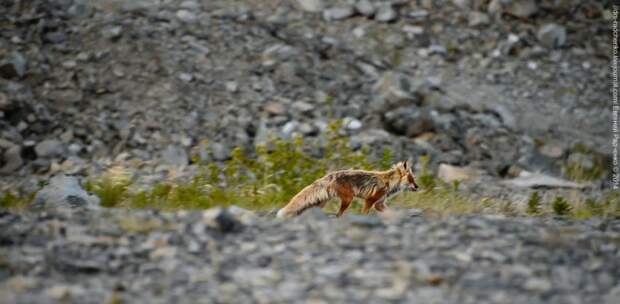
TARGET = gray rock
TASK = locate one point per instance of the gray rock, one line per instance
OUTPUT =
(50, 148)
(62, 193)
(14, 66)
(410, 121)
(5, 102)
(190, 5)
(220, 151)
(464, 4)
(420, 14)
(312, 6)
(478, 18)
(114, 32)
(221, 220)
(338, 13)
(55, 37)
(12, 160)
(175, 156)
(365, 8)
(370, 137)
(396, 89)
(186, 16)
(521, 8)
(386, 13)
(552, 35)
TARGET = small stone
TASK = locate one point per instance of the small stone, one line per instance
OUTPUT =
(186, 77)
(289, 128)
(55, 37)
(464, 4)
(303, 107)
(14, 66)
(370, 137)
(338, 13)
(386, 13)
(12, 160)
(69, 64)
(522, 8)
(365, 8)
(537, 284)
(219, 151)
(222, 220)
(552, 35)
(312, 6)
(49, 148)
(190, 5)
(478, 18)
(232, 86)
(413, 29)
(175, 156)
(306, 128)
(5, 103)
(275, 108)
(421, 14)
(186, 16)
(113, 32)
(352, 123)
(449, 173)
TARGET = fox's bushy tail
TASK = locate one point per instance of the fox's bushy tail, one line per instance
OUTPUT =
(313, 195)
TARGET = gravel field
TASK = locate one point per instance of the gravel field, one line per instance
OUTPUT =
(218, 256)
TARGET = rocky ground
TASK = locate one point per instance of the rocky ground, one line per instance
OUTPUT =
(506, 96)
(216, 256)
(494, 85)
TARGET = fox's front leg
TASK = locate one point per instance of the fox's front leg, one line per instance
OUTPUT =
(372, 201)
(380, 206)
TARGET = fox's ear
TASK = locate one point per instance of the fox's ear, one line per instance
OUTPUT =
(405, 164)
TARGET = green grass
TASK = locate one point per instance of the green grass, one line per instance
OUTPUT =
(266, 177)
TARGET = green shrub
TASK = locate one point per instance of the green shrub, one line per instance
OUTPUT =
(561, 206)
(533, 204)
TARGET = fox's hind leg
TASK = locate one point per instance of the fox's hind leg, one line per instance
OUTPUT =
(377, 198)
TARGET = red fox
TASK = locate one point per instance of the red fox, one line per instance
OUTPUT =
(375, 187)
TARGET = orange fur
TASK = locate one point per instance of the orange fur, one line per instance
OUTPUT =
(372, 186)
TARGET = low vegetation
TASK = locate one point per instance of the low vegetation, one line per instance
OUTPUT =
(266, 177)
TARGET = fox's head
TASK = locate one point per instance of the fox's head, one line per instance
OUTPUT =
(407, 178)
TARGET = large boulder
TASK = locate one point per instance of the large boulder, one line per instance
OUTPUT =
(65, 193)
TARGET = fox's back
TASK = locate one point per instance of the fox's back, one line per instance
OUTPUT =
(360, 181)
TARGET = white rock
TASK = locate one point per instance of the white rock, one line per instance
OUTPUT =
(365, 7)
(552, 35)
(186, 16)
(449, 173)
(338, 13)
(64, 192)
(312, 6)
(386, 13)
(532, 180)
